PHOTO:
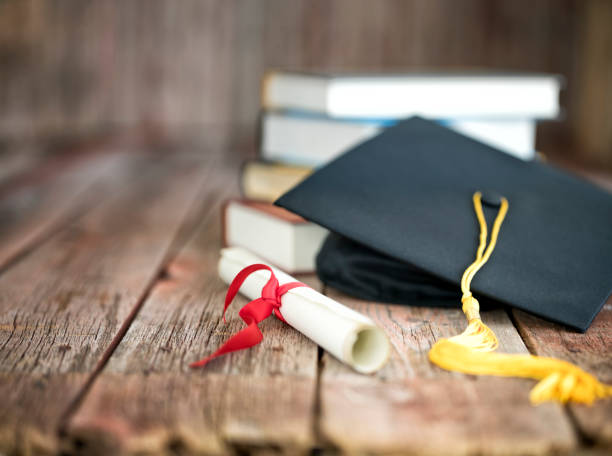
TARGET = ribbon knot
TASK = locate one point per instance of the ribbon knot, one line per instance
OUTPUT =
(253, 312)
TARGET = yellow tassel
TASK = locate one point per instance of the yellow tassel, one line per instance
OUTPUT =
(471, 351)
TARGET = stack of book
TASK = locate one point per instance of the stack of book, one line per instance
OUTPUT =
(310, 119)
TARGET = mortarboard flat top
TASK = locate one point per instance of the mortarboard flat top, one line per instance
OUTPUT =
(407, 194)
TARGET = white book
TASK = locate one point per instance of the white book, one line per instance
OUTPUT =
(313, 141)
(442, 95)
(275, 234)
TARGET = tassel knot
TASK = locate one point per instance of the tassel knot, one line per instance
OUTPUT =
(471, 307)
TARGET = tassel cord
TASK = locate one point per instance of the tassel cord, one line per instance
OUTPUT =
(471, 351)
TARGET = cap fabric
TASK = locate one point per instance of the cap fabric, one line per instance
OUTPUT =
(401, 205)
(357, 270)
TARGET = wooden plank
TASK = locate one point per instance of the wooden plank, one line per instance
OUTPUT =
(27, 162)
(148, 400)
(415, 407)
(32, 212)
(590, 351)
(62, 306)
(16, 160)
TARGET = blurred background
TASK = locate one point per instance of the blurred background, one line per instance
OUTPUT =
(169, 70)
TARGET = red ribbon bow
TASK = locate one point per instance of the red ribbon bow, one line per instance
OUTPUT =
(252, 313)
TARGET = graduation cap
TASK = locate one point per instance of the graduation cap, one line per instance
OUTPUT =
(410, 210)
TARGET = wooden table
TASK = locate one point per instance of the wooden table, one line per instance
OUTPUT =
(108, 289)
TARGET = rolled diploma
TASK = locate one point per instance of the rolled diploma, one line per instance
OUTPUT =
(348, 335)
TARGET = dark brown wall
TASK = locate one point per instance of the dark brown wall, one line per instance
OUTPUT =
(79, 67)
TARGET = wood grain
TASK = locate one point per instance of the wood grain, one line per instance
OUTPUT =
(172, 67)
(33, 212)
(61, 306)
(148, 248)
(590, 351)
(412, 406)
(592, 122)
(17, 159)
(148, 400)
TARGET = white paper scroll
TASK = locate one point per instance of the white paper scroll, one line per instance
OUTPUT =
(348, 335)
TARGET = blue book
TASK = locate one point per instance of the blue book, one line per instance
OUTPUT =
(309, 139)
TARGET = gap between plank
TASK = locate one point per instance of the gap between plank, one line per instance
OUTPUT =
(529, 347)
(322, 442)
(53, 171)
(187, 229)
(58, 160)
(316, 421)
(72, 215)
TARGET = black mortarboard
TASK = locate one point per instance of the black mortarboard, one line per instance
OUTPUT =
(401, 207)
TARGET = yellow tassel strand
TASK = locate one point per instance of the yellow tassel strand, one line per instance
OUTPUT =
(471, 351)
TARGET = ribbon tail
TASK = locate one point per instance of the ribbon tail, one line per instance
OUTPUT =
(245, 338)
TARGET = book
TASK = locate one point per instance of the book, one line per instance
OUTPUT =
(431, 95)
(264, 181)
(281, 237)
(313, 140)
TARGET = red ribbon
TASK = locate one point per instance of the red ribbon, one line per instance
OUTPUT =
(255, 311)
